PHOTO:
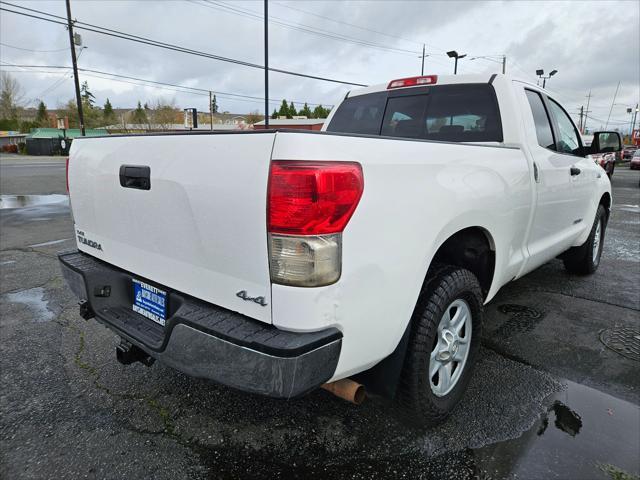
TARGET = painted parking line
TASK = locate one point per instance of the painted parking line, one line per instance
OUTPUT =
(52, 242)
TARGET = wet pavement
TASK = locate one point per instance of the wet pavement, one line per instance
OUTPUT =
(21, 201)
(548, 400)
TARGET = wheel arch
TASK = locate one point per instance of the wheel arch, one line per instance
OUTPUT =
(477, 249)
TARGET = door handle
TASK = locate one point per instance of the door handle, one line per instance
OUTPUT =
(575, 171)
(135, 176)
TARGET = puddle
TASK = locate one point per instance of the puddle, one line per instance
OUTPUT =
(21, 201)
(583, 434)
(33, 298)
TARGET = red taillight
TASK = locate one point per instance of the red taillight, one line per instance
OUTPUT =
(413, 81)
(67, 173)
(312, 198)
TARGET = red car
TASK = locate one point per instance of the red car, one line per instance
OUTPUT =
(635, 161)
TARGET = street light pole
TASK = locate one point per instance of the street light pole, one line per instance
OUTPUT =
(422, 70)
(456, 56)
(75, 68)
(266, 64)
(540, 74)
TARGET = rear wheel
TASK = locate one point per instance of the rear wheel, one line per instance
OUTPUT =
(443, 346)
(585, 259)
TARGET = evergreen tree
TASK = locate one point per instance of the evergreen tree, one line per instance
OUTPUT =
(87, 97)
(292, 111)
(42, 117)
(274, 114)
(140, 115)
(109, 115)
(320, 112)
(214, 104)
(284, 109)
(306, 111)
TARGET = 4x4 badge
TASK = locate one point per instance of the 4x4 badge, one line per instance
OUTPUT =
(259, 300)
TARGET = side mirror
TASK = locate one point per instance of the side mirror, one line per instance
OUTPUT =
(606, 142)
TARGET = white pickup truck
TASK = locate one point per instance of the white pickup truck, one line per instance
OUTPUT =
(277, 262)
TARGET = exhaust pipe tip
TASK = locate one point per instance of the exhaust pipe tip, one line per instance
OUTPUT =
(348, 390)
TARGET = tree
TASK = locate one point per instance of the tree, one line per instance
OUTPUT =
(305, 111)
(253, 117)
(11, 97)
(320, 112)
(164, 114)
(274, 114)
(42, 118)
(292, 111)
(87, 97)
(140, 115)
(108, 113)
(214, 105)
(284, 109)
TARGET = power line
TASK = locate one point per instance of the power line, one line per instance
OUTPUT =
(30, 50)
(347, 23)
(184, 88)
(222, 6)
(155, 43)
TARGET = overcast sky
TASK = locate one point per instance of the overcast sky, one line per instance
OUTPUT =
(593, 45)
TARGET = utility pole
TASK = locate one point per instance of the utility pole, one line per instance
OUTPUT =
(586, 114)
(422, 70)
(580, 122)
(611, 109)
(504, 64)
(266, 63)
(633, 124)
(211, 109)
(75, 68)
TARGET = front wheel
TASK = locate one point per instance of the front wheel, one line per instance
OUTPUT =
(443, 346)
(585, 259)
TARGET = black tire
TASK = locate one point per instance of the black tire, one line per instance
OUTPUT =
(582, 260)
(417, 401)
(610, 172)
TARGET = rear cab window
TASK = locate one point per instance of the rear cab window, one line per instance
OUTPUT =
(451, 113)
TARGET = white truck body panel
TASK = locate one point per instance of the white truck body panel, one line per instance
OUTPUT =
(200, 229)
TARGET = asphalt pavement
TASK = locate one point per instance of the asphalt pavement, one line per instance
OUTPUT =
(555, 393)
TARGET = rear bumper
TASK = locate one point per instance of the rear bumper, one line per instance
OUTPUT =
(204, 340)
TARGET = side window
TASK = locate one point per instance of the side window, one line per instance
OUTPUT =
(541, 120)
(568, 141)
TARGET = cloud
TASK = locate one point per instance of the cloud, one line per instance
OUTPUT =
(593, 45)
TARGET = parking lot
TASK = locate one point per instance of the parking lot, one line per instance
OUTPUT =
(555, 393)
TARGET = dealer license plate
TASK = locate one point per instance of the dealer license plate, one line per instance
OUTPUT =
(149, 301)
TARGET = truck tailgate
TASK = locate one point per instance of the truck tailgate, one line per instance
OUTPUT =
(201, 226)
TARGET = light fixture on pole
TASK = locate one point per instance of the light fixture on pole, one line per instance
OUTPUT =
(456, 55)
(540, 74)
